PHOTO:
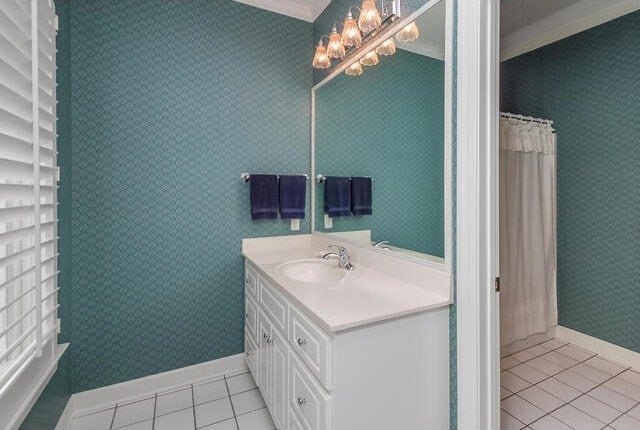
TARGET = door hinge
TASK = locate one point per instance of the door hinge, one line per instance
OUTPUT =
(497, 284)
(56, 23)
(58, 326)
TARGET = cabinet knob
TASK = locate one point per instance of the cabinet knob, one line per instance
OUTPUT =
(246, 315)
(247, 353)
(265, 335)
(301, 401)
(269, 340)
(302, 341)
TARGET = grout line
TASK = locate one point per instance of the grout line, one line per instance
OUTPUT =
(113, 417)
(155, 406)
(193, 408)
(232, 408)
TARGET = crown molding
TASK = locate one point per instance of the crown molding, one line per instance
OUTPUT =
(566, 22)
(306, 10)
(423, 49)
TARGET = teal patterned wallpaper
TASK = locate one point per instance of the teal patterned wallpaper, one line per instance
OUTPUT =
(171, 101)
(388, 124)
(588, 84)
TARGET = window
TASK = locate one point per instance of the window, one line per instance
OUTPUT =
(28, 182)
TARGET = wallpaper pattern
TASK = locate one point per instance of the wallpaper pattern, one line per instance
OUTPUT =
(588, 85)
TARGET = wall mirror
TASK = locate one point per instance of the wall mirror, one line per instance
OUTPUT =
(391, 123)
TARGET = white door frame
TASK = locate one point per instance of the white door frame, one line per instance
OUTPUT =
(477, 214)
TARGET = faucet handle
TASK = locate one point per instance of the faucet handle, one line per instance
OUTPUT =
(341, 249)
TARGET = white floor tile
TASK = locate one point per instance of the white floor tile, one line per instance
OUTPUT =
(256, 420)
(521, 409)
(548, 422)
(631, 376)
(559, 359)
(606, 366)
(133, 413)
(596, 408)
(209, 391)
(624, 387)
(512, 382)
(96, 421)
(577, 419)
(522, 356)
(559, 389)
(528, 373)
(507, 422)
(541, 399)
(537, 350)
(167, 403)
(635, 412)
(229, 424)
(575, 352)
(504, 393)
(626, 422)
(612, 398)
(553, 343)
(212, 412)
(182, 420)
(240, 383)
(544, 366)
(247, 401)
(576, 381)
(589, 372)
(144, 425)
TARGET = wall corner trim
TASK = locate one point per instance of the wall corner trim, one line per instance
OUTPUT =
(106, 397)
(609, 350)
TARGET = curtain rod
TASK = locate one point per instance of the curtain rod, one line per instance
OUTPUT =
(525, 118)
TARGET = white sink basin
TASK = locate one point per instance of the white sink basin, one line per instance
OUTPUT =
(312, 270)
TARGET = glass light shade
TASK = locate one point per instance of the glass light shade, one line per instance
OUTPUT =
(350, 33)
(335, 48)
(409, 33)
(371, 59)
(321, 60)
(369, 18)
(354, 69)
(388, 47)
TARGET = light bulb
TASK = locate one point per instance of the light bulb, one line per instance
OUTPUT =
(350, 33)
(409, 33)
(320, 59)
(369, 18)
(335, 48)
(354, 69)
(370, 59)
(388, 47)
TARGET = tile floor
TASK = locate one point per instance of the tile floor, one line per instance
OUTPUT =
(230, 402)
(558, 386)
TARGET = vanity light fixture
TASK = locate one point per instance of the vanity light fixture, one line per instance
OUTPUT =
(388, 47)
(370, 59)
(335, 48)
(320, 59)
(409, 33)
(354, 69)
(350, 32)
(369, 18)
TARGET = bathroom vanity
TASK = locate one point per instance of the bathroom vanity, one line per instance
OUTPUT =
(361, 350)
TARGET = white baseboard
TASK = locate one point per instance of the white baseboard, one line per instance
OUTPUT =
(105, 397)
(617, 353)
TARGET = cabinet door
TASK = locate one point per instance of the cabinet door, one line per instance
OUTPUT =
(251, 353)
(264, 358)
(280, 381)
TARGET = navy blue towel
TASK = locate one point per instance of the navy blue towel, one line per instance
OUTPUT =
(293, 192)
(361, 196)
(337, 196)
(264, 196)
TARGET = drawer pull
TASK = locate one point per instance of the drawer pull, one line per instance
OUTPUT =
(301, 401)
(302, 341)
(265, 335)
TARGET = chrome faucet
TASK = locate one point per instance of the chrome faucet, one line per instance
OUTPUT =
(342, 255)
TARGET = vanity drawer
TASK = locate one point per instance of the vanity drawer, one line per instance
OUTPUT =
(251, 353)
(251, 282)
(251, 317)
(310, 404)
(313, 346)
(274, 305)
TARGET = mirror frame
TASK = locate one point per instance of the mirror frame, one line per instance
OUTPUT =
(448, 130)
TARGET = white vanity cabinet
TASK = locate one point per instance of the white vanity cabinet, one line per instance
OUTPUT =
(392, 374)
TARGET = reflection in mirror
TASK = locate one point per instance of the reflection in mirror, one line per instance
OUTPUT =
(388, 124)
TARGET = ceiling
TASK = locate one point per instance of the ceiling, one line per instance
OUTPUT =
(515, 14)
(306, 10)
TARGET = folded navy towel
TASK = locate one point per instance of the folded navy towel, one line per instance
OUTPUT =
(293, 191)
(361, 196)
(337, 196)
(264, 196)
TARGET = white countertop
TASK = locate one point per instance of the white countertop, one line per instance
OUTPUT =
(365, 296)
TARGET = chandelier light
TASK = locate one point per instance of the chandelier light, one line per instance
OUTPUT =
(409, 33)
(320, 59)
(388, 47)
(350, 32)
(354, 69)
(335, 48)
(371, 59)
(369, 18)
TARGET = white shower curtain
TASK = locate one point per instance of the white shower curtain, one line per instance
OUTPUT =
(527, 229)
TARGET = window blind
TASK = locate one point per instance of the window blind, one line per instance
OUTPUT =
(28, 182)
